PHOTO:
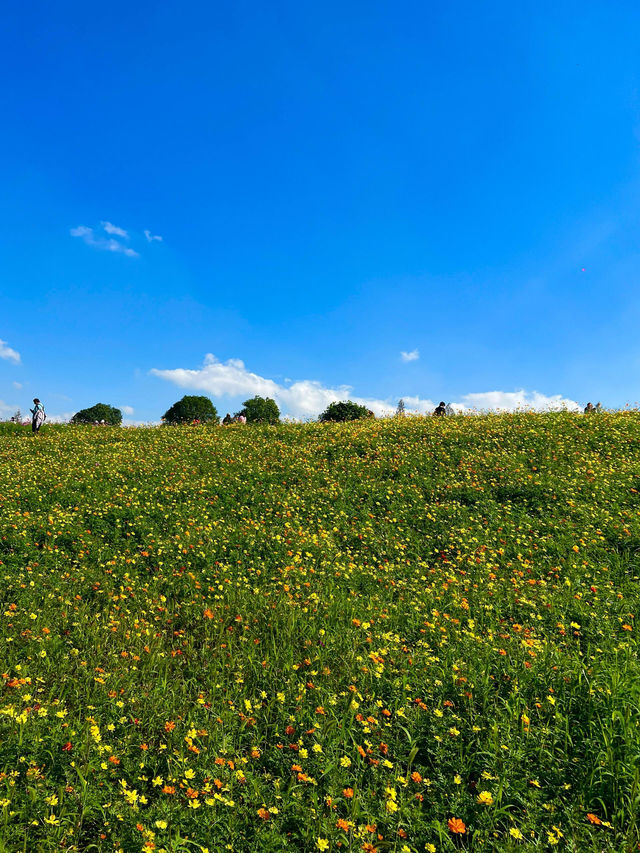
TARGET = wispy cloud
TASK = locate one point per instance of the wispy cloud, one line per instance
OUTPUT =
(126, 410)
(414, 355)
(151, 237)
(9, 354)
(110, 228)
(306, 398)
(17, 385)
(509, 401)
(103, 243)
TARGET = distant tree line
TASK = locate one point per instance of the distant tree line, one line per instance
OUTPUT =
(195, 408)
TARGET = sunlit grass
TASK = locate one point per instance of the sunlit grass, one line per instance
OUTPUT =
(402, 635)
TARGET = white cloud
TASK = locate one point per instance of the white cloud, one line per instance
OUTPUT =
(9, 354)
(107, 245)
(60, 418)
(17, 385)
(305, 398)
(126, 410)
(509, 401)
(151, 237)
(7, 410)
(110, 228)
(414, 355)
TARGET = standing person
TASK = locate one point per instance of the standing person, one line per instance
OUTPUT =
(440, 410)
(37, 416)
(588, 409)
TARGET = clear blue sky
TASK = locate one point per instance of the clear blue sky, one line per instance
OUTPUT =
(334, 185)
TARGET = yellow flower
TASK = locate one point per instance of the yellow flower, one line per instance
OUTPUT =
(514, 832)
(161, 824)
(345, 761)
(323, 844)
(485, 798)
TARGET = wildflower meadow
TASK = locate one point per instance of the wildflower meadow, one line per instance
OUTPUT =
(413, 634)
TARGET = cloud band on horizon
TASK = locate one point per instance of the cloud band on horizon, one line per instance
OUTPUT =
(306, 398)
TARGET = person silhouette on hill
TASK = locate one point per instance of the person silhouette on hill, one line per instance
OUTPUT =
(38, 416)
(589, 409)
(227, 419)
(440, 410)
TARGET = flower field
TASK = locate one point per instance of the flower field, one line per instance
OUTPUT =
(403, 635)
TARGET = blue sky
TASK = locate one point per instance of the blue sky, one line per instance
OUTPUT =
(334, 185)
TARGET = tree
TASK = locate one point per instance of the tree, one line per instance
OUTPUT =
(100, 412)
(17, 418)
(260, 410)
(345, 411)
(191, 408)
(400, 410)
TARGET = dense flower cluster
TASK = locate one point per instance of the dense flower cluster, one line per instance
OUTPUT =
(408, 635)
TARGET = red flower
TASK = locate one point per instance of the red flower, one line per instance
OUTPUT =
(67, 747)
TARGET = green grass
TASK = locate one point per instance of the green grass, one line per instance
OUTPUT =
(316, 637)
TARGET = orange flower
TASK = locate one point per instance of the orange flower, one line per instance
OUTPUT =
(416, 777)
(348, 793)
(255, 753)
(264, 814)
(593, 818)
(456, 826)
(208, 613)
(169, 789)
(169, 726)
(343, 824)
(192, 793)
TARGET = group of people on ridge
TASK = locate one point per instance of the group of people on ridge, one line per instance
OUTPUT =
(236, 419)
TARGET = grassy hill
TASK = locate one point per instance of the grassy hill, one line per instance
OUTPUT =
(400, 635)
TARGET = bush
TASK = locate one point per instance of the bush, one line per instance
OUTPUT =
(260, 410)
(191, 408)
(345, 411)
(100, 412)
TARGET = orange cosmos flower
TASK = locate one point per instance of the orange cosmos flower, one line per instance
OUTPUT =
(456, 826)
(348, 793)
(593, 818)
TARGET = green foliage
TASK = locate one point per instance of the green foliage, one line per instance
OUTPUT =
(345, 411)
(192, 407)
(257, 639)
(260, 410)
(100, 412)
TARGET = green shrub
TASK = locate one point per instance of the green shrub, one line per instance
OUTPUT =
(260, 410)
(345, 411)
(100, 412)
(191, 408)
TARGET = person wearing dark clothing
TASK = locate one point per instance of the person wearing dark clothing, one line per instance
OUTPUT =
(440, 410)
(589, 409)
(227, 419)
(37, 416)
